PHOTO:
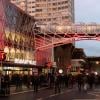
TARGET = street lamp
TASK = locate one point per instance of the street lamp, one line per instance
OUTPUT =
(97, 62)
(60, 71)
(96, 73)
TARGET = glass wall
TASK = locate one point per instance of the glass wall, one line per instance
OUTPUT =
(17, 34)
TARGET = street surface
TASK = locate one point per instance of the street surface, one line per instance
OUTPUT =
(48, 94)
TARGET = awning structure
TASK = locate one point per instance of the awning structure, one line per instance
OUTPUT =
(12, 64)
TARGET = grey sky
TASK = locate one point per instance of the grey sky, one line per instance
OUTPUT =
(88, 11)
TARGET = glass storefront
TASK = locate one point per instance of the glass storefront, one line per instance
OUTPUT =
(17, 70)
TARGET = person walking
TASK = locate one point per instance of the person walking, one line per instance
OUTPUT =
(85, 82)
(36, 82)
(58, 83)
(80, 81)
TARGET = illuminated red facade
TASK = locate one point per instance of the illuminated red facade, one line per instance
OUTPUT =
(43, 56)
(2, 16)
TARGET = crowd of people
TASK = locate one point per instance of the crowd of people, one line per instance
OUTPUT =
(56, 81)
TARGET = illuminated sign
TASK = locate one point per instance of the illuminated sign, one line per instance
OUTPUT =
(22, 61)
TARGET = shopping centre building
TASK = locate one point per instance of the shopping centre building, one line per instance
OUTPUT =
(18, 42)
(16, 39)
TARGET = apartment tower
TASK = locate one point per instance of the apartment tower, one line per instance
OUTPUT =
(49, 11)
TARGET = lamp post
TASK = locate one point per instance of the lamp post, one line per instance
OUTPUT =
(97, 62)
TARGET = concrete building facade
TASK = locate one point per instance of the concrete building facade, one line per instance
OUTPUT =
(62, 56)
(49, 11)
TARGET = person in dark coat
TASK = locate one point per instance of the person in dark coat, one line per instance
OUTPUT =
(36, 83)
(58, 79)
(80, 81)
(91, 80)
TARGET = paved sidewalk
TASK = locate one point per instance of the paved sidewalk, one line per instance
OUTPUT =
(23, 90)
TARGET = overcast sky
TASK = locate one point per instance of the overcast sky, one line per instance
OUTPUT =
(88, 11)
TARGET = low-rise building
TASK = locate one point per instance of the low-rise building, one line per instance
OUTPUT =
(78, 61)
